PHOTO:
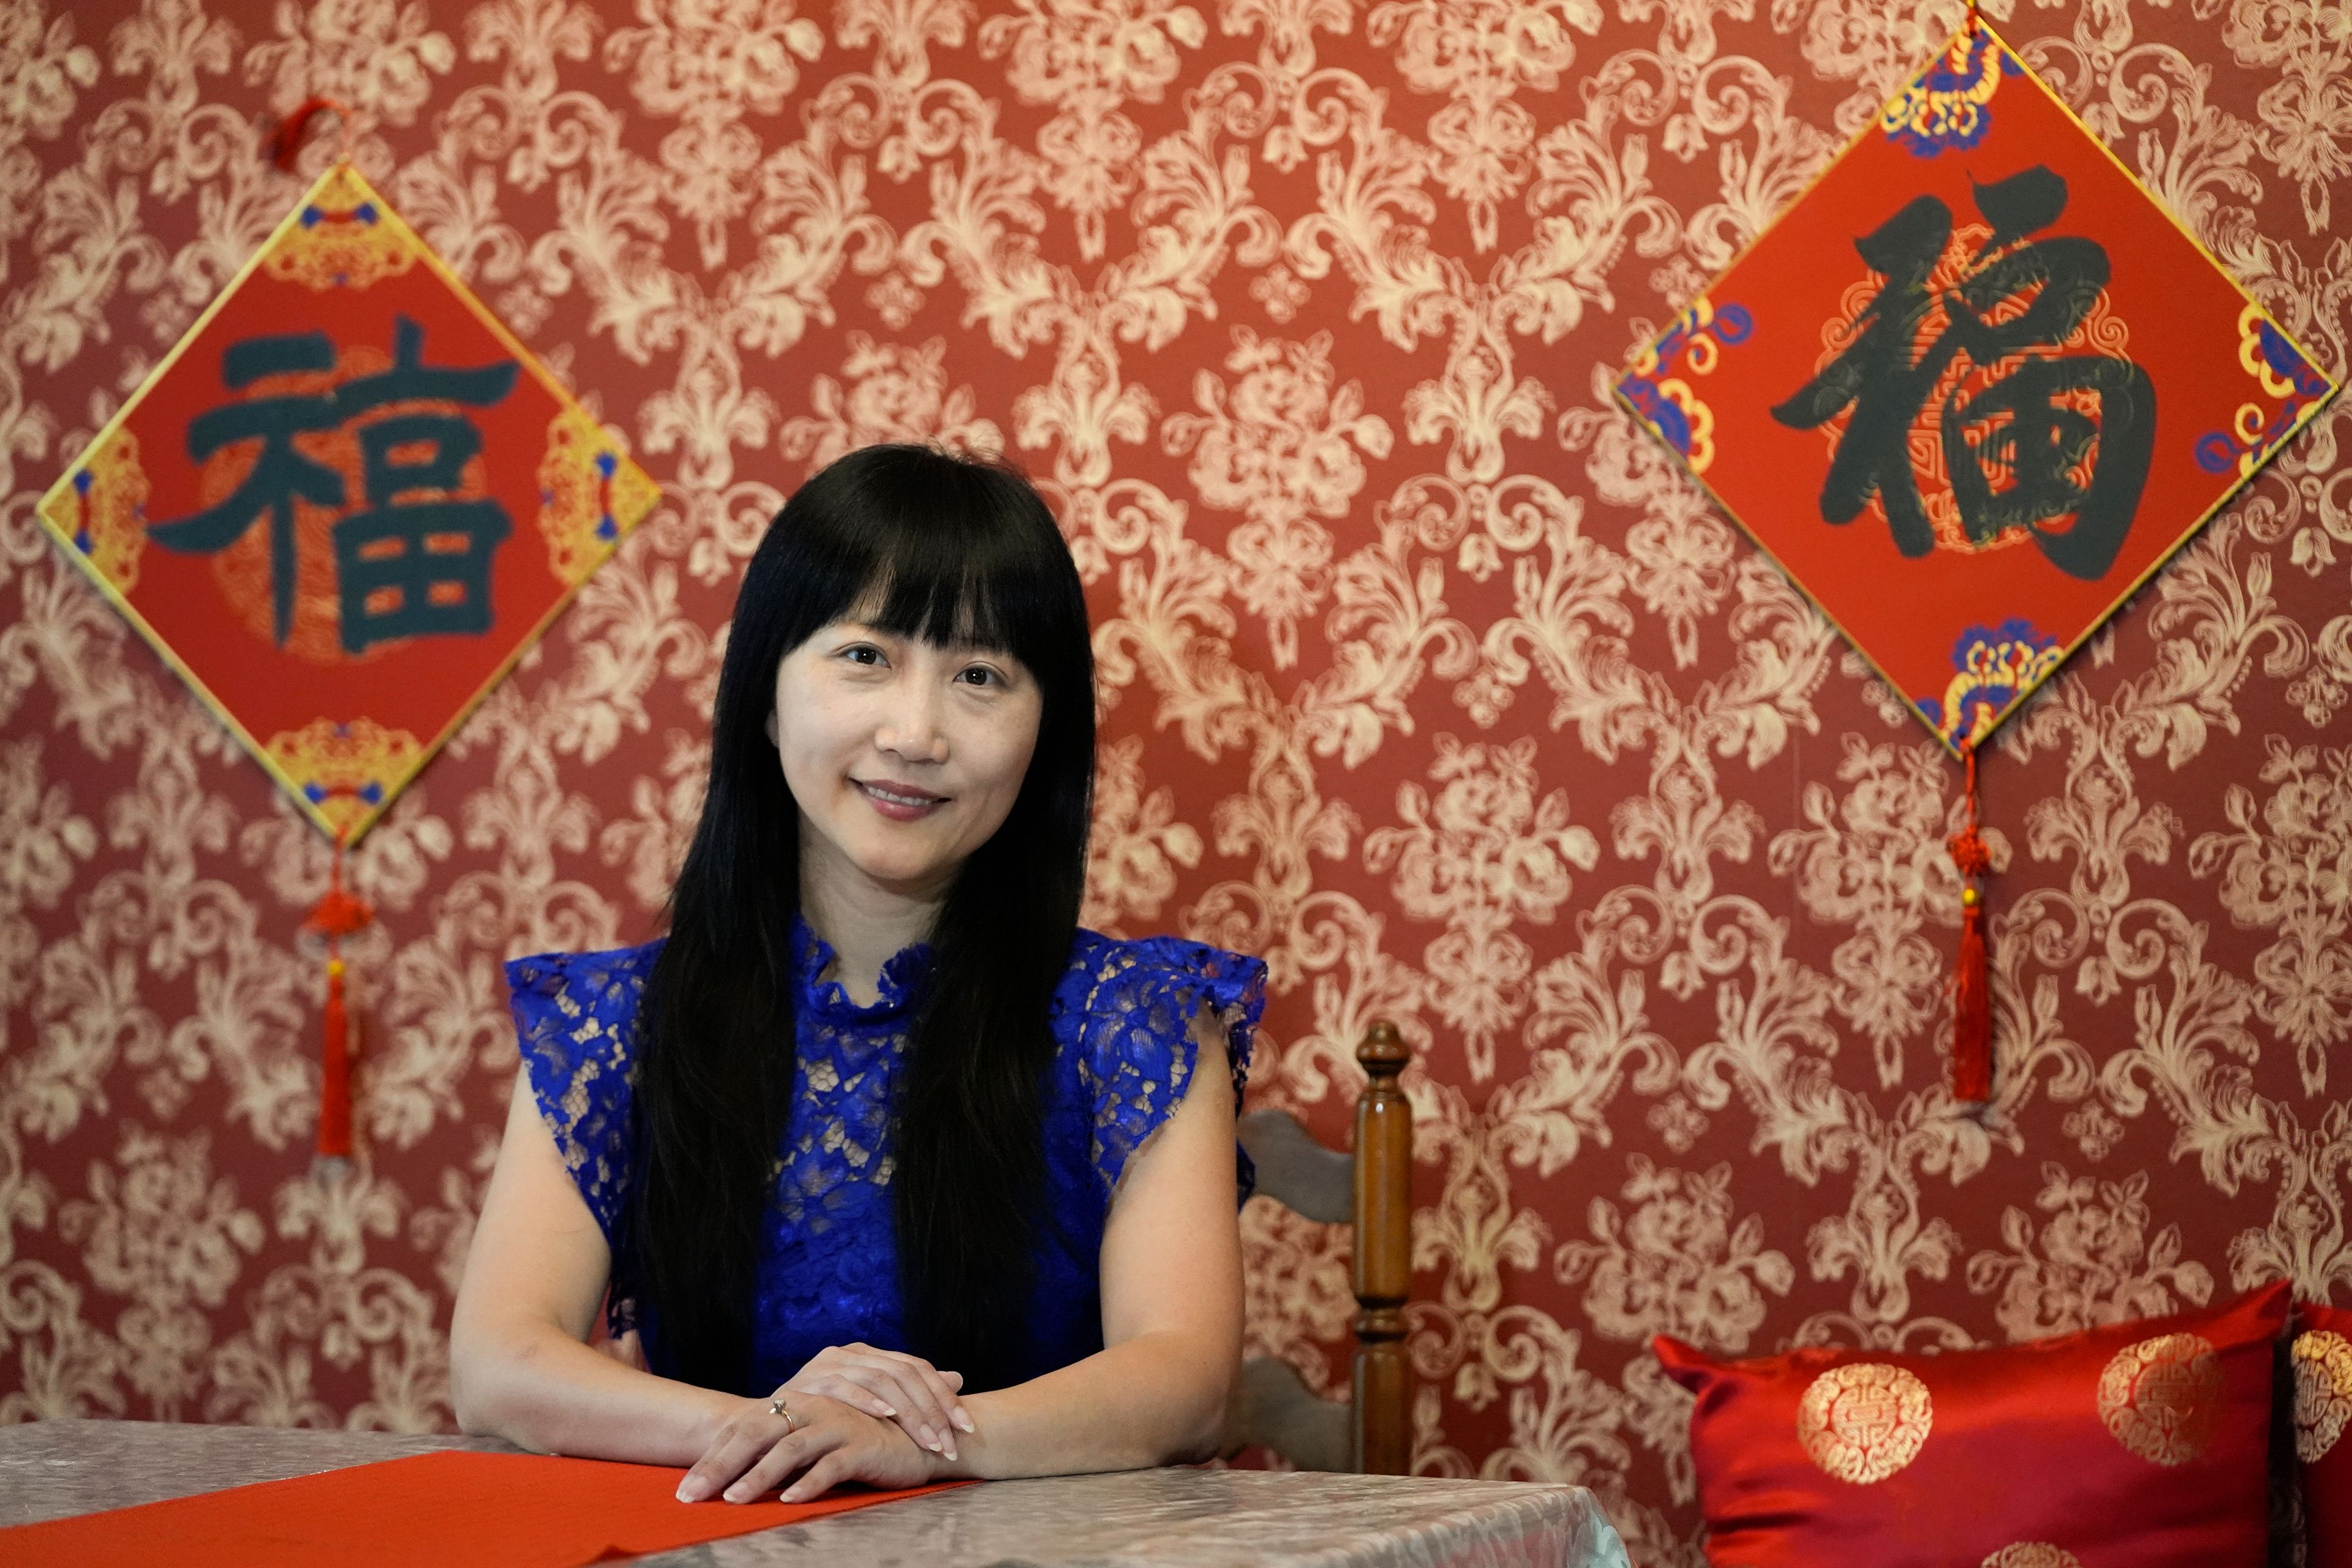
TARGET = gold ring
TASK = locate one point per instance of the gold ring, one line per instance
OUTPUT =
(776, 1408)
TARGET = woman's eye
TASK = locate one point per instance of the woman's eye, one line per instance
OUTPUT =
(863, 653)
(980, 675)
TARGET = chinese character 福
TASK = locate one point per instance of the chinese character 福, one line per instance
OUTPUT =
(2058, 461)
(410, 564)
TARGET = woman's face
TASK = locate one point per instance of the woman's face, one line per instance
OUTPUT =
(904, 757)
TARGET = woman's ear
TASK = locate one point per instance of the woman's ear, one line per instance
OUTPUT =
(771, 727)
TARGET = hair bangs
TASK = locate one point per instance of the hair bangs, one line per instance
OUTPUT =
(954, 564)
(947, 604)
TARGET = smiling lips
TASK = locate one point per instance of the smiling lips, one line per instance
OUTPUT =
(900, 802)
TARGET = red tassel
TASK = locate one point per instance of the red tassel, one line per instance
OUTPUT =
(335, 1071)
(1971, 1008)
(1971, 977)
(336, 916)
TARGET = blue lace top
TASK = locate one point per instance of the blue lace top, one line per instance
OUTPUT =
(827, 1273)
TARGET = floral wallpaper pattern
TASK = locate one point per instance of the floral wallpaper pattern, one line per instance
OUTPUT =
(1425, 675)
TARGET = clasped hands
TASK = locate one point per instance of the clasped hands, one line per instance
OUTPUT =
(858, 1414)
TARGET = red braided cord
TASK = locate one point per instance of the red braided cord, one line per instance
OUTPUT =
(288, 141)
(1968, 850)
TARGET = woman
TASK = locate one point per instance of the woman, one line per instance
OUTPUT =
(884, 1170)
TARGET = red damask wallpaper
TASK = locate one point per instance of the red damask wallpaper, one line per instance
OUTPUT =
(1429, 677)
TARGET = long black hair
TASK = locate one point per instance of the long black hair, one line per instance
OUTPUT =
(946, 549)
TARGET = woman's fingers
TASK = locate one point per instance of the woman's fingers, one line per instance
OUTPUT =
(736, 1448)
(911, 1405)
(939, 1387)
(920, 1398)
(914, 1394)
(850, 1392)
(822, 1478)
(956, 1412)
(834, 1442)
(872, 1388)
(789, 1455)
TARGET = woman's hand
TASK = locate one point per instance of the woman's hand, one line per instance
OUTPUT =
(893, 1386)
(827, 1441)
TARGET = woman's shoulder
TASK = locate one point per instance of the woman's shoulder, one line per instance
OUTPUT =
(1124, 1018)
(1128, 1001)
(581, 979)
(1111, 974)
(571, 1007)
(575, 1024)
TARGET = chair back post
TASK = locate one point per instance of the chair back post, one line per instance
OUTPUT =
(1383, 1263)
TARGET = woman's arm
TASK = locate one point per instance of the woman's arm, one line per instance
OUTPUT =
(519, 1368)
(1156, 1393)
(1172, 1302)
(535, 1276)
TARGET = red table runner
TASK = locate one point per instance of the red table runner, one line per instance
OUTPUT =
(455, 1509)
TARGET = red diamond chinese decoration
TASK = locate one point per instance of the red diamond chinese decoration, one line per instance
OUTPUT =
(346, 503)
(1973, 388)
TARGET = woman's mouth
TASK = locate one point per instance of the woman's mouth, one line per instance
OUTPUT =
(899, 802)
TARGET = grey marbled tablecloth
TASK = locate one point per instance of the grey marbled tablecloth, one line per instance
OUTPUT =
(1137, 1519)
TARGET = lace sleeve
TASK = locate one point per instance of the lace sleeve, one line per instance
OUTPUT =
(1139, 1055)
(575, 1018)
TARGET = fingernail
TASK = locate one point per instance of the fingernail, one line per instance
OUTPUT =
(930, 1440)
(964, 1421)
(734, 1494)
(951, 1451)
(889, 1412)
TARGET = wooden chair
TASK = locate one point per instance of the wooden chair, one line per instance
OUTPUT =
(1373, 1189)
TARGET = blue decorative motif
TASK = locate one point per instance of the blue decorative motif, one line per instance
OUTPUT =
(1695, 344)
(1946, 108)
(2281, 373)
(1990, 670)
(605, 527)
(828, 1267)
(1666, 416)
(365, 214)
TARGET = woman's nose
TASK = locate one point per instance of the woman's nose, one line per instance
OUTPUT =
(911, 729)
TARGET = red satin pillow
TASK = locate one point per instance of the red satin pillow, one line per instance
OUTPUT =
(2322, 1358)
(2140, 1446)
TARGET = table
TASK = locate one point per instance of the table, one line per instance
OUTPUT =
(1137, 1519)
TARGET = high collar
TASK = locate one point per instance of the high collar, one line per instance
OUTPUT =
(901, 983)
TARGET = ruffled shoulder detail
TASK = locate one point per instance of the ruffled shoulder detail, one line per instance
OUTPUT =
(575, 1018)
(1133, 1002)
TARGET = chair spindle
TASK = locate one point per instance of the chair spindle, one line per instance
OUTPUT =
(1383, 1261)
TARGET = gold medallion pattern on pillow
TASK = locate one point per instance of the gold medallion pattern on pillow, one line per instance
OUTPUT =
(2160, 1396)
(1863, 1423)
(2323, 1392)
(2032, 1554)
